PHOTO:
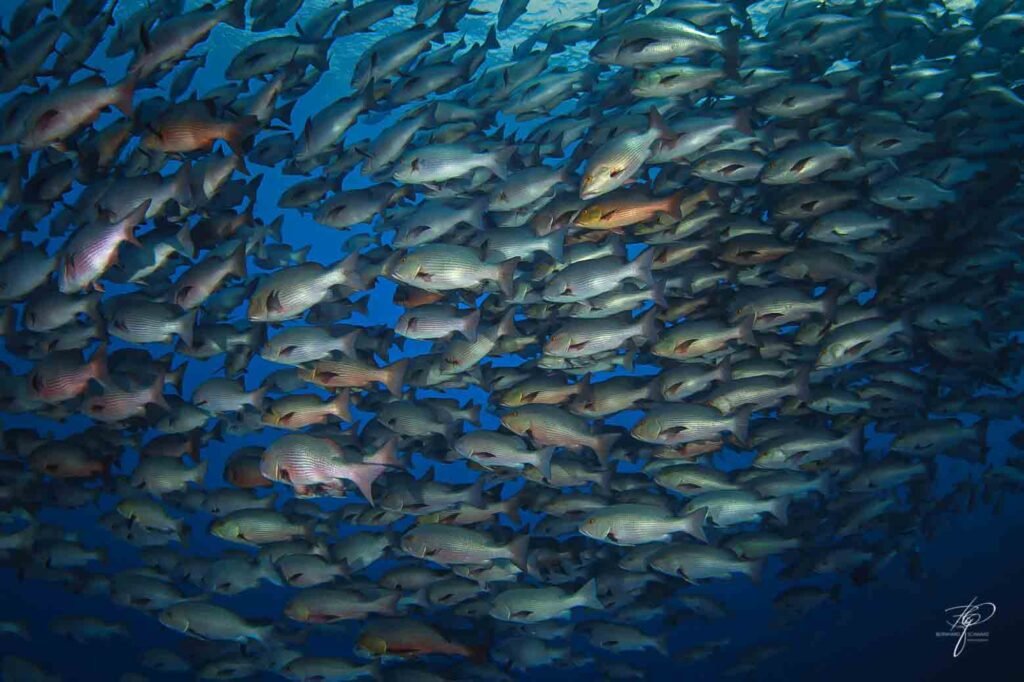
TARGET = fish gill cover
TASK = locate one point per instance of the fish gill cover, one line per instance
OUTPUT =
(467, 340)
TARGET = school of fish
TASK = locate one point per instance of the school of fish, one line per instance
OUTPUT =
(689, 291)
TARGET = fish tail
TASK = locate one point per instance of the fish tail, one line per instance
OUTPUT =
(274, 228)
(657, 124)
(511, 509)
(500, 160)
(754, 569)
(237, 133)
(556, 243)
(185, 245)
(124, 94)
(478, 654)
(507, 325)
(395, 377)
(519, 550)
(643, 267)
(475, 494)
(470, 325)
(347, 343)
(199, 472)
(741, 121)
(302, 255)
(780, 509)
(981, 431)
(650, 325)
(746, 331)
(182, 187)
(99, 365)
(731, 52)
(186, 327)
(855, 441)
(234, 13)
(363, 477)
(238, 267)
(674, 204)
(340, 405)
(386, 455)
(603, 446)
(491, 42)
(257, 397)
(658, 295)
(802, 385)
(347, 272)
(544, 461)
(156, 393)
(506, 276)
(693, 524)
(741, 424)
(587, 597)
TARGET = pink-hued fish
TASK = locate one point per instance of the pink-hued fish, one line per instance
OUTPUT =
(63, 112)
(304, 461)
(118, 404)
(62, 375)
(93, 249)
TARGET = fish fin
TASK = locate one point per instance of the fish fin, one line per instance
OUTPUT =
(731, 52)
(629, 359)
(347, 272)
(395, 378)
(363, 477)
(755, 569)
(235, 14)
(500, 162)
(519, 550)
(855, 440)
(511, 509)
(802, 384)
(125, 94)
(506, 276)
(98, 362)
(386, 455)
(147, 44)
(746, 331)
(587, 597)
(693, 524)
(658, 295)
(741, 423)
(184, 238)
(284, 113)
(981, 429)
(475, 494)
(238, 132)
(186, 327)
(780, 509)
(237, 258)
(649, 325)
(741, 121)
(657, 123)
(544, 457)
(340, 405)
(470, 325)
(556, 243)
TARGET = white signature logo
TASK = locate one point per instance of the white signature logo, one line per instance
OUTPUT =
(966, 617)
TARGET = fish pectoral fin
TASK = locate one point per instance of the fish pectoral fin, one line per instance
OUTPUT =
(274, 302)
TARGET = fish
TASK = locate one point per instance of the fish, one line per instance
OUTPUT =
(507, 337)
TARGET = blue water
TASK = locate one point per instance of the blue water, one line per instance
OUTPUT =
(883, 630)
